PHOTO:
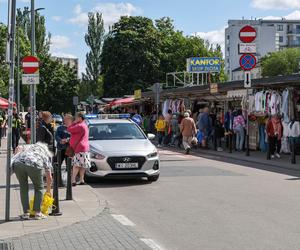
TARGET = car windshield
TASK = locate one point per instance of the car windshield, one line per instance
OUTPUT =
(115, 131)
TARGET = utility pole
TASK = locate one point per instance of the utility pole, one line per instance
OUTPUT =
(18, 70)
(11, 37)
(32, 86)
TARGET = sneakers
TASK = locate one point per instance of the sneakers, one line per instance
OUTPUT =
(272, 156)
(187, 151)
(159, 146)
(40, 216)
(25, 216)
(277, 155)
(220, 149)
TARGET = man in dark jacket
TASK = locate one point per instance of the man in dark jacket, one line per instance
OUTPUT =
(62, 136)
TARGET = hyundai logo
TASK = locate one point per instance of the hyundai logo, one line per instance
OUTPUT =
(126, 159)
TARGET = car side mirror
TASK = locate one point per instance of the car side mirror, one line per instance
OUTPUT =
(151, 136)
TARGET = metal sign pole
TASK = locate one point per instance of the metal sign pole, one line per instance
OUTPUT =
(10, 107)
(32, 86)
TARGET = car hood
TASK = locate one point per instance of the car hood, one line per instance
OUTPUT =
(122, 146)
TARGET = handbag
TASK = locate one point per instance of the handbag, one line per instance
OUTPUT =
(70, 152)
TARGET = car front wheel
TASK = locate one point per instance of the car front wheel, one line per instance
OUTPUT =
(153, 178)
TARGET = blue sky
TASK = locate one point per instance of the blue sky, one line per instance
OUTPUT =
(66, 20)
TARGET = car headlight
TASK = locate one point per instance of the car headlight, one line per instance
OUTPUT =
(152, 155)
(97, 156)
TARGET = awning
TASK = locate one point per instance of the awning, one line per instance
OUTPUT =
(4, 103)
(124, 101)
(97, 101)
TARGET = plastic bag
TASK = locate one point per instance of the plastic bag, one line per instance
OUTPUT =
(46, 206)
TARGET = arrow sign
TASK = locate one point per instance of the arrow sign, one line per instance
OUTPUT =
(247, 82)
(247, 34)
(30, 65)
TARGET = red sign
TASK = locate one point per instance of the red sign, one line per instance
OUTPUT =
(247, 34)
(247, 62)
(30, 64)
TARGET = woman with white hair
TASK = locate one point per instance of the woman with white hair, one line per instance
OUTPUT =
(188, 130)
(32, 161)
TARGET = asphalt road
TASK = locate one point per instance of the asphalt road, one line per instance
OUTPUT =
(201, 203)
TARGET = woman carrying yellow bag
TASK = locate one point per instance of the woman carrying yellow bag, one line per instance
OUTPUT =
(32, 161)
(47, 205)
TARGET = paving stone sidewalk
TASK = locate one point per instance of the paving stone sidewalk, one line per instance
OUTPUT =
(100, 232)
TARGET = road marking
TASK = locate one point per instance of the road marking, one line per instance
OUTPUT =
(152, 244)
(123, 220)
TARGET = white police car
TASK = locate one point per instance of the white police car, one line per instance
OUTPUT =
(119, 148)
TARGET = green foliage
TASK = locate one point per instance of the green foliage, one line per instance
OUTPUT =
(58, 85)
(138, 53)
(92, 81)
(3, 66)
(284, 62)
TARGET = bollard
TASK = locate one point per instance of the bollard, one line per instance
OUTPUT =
(56, 210)
(269, 150)
(293, 149)
(69, 194)
(248, 145)
(230, 142)
(59, 161)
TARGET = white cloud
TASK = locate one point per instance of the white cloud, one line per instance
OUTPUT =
(214, 37)
(111, 13)
(275, 4)
(56, 18)
(77, 9)
(295, 15)
(60, 42)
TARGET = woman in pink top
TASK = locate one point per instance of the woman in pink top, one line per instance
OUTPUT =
(79, 142)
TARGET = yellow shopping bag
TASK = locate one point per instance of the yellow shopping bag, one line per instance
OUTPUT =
(47, 204)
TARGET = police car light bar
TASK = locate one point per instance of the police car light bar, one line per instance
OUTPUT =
(114, 116)
(108, 116)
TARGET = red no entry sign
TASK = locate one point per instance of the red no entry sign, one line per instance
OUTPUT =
(30, 64)
(247, 34)
(247, 62)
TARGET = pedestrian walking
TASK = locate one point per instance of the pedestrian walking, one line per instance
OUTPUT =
(160, 126)
(4, 127)
(79, 142)
(32, 161)
(16, 129)
(205, 125)
(62, 136)
(189, 131)
(175, 130)
(275, 131)
(219, 132)
(239, 129)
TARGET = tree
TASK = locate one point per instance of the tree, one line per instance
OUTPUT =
(284, 62)
(92, 82)
(131, 56)
(3, 66)
(138, 53)
(58, 85)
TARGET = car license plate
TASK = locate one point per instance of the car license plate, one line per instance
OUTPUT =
(127, 165)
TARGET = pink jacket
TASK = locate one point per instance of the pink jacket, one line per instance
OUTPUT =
(79, 131)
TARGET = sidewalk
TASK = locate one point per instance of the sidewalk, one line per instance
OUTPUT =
(85, 224)
(256, 157)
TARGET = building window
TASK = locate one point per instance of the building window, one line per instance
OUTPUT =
(297, 27)
(280, 27)
(281, 39)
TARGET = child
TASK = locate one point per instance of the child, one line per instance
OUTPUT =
(160, 126)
